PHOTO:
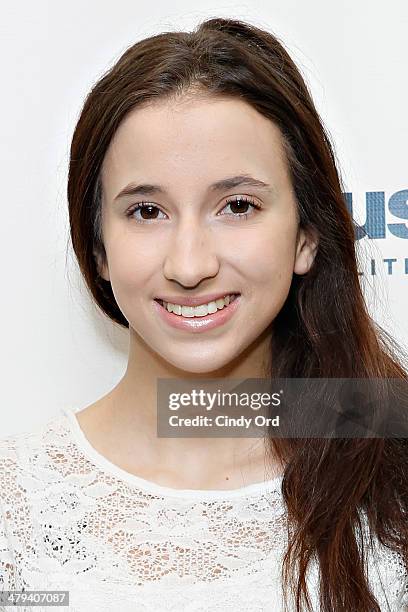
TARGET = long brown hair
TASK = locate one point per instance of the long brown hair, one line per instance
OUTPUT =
(324, 328)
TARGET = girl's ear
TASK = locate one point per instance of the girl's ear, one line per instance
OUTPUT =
(306, 249)
(101, 265)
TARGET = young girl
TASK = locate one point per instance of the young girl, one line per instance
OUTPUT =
(208, 218)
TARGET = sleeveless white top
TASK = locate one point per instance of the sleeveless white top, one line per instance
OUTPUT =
(70, 520)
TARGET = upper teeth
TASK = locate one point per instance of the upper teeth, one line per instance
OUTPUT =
(199, 311)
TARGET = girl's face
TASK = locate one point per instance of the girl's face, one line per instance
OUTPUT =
(193, 242)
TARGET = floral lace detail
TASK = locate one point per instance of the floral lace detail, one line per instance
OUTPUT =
(70, 520)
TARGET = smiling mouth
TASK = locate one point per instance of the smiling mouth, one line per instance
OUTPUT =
(203, 310)
(200, 322)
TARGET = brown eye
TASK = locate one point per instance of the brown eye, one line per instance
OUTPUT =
(147, 212)
(239, 207)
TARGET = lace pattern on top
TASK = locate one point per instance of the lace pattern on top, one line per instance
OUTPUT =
(71, 520)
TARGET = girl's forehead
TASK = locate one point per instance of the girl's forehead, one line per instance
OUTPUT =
(226, 138)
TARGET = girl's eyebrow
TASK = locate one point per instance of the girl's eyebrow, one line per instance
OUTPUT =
(133, 189)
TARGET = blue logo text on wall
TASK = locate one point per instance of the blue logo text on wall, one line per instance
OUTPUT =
(376, 227)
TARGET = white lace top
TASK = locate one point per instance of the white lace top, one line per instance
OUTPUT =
(72, 520)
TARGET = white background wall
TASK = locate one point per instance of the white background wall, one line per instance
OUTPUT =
(57, 349)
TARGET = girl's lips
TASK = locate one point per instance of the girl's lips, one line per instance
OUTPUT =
(198, 324)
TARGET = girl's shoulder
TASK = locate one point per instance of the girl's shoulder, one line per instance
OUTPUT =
(24, 457)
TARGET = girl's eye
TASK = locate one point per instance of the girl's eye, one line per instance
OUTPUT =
(148, 211)
(238, 203)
